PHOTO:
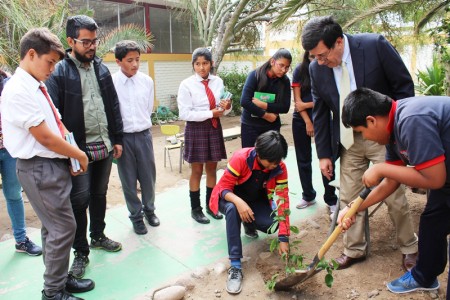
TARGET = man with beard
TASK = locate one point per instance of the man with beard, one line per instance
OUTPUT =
(83, 91)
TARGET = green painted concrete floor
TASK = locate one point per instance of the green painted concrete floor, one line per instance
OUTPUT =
(177, 246)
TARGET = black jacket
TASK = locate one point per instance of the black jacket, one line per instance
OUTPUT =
(64, 87)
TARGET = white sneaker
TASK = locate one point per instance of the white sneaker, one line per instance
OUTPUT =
(304, 204)
(332, 208)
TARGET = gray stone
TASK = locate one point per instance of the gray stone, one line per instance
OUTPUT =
(219, 268)
(200, 273)
(373, 294)
(175, 292)
(187, 282)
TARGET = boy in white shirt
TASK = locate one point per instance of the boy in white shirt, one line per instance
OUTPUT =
(34, 134)
(137, 163)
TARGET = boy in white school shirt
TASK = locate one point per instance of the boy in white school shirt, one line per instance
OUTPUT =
(137, 163)
(34, 134)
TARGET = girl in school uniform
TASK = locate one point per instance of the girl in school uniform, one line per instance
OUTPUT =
(200, 105)
(259, 115)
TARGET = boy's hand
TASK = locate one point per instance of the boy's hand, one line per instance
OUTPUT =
(347, 222)
(270, 117)
(84, 163)
(283, 248)
(372, 175)
(245, 212)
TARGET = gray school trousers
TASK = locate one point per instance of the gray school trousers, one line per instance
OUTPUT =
(137, 163)
(47, 184)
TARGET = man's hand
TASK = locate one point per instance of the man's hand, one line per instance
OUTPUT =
(326, 167)
(283, 248)
(117, 151)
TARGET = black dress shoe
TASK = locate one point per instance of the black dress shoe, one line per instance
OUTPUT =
(74, 285)
(152, 219)
(197, 215)
(62, 295)
(217, 216)
(345, 261)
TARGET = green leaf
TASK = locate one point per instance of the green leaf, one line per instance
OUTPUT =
(274, 245)
(329, 280)
(294, 229)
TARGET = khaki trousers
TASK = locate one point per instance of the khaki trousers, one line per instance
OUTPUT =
(354, 162)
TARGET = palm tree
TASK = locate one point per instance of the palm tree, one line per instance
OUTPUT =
(19, 16)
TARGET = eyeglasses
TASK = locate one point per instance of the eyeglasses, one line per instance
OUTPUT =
(88, 43)
(283, 67)
(322, 56)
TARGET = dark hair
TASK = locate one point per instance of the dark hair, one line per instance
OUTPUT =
(124, 47)
(206, 53)
(303, 73)
(362, 103)
(271, 146)
(261, 72)
(42, 41)
(3, 76)
(75, 23)
(320, 29)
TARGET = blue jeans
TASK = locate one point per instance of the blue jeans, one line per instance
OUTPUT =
(13, 195)
(89, 190)
(263, 221)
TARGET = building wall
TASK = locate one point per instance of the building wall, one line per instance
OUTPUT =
(168, 70)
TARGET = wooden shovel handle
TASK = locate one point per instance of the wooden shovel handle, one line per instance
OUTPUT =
(351, 212)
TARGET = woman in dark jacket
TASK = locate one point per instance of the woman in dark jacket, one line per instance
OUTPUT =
(303, 131)
(261, 115)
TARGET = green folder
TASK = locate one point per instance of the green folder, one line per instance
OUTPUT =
(265, 97)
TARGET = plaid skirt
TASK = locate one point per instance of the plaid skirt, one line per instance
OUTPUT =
(203, 143)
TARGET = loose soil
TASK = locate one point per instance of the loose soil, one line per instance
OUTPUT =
(361, 281)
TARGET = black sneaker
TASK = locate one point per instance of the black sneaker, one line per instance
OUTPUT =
(28, 247)
(78, 268)
(234, 280)
(105, 244)
(250, 231)
(139, 227)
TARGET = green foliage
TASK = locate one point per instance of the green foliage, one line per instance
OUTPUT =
(292, 260)
(234, 80)
(431, 81)
(19, 16)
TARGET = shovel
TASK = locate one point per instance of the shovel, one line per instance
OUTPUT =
(302, 275)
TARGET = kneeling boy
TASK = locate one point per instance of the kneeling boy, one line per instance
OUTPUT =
(242, 195)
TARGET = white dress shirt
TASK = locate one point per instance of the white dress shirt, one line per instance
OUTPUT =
(193, 103)
(347, 58)
(24, 106)
(136, 97)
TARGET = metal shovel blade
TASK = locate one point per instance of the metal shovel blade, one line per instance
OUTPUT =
(302, 275)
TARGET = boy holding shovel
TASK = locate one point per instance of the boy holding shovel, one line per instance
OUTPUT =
(416, 132)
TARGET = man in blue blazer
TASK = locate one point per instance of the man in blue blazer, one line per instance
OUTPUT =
(346, 62)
